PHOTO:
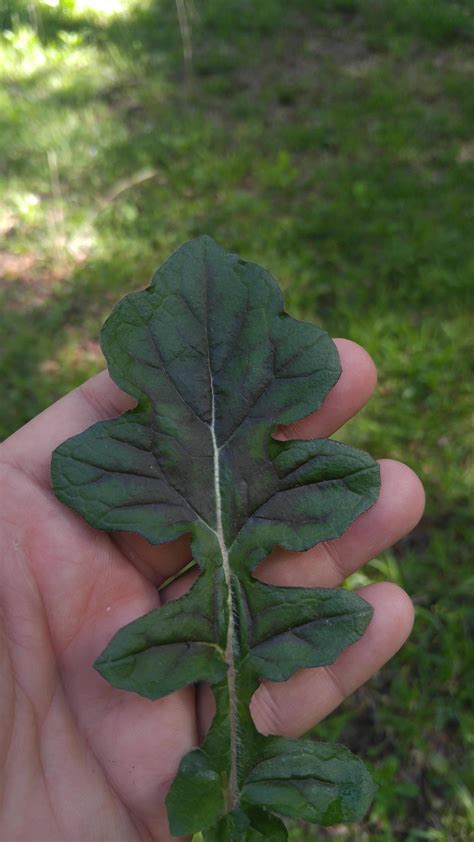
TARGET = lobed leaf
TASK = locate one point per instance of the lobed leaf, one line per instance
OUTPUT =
(215, 365)
(315, 782)
(300, 627)
(169, 647)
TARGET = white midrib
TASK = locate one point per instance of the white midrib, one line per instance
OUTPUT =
(229, 652)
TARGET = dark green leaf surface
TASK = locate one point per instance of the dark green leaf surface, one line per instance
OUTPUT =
(316, 782)
(289, 629)
(215, 364)
(163, 650)
(253, 825)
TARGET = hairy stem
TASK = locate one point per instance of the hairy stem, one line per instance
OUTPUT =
(231, 675)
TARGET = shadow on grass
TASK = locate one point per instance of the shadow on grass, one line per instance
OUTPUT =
(45, 352)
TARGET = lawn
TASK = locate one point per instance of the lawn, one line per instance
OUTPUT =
(332, 141)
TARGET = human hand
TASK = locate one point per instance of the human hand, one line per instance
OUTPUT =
(82, 761)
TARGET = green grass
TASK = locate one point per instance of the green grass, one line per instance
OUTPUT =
(332, 141)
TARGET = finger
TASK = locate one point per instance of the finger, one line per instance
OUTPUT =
(352, 391)
(30, 448)
(292, 707)
(396, 512)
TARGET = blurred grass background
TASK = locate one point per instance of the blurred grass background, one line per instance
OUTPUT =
(331, 141)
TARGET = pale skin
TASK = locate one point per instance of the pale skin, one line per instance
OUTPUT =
(82, 761)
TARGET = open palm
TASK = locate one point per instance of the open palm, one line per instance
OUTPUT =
(82, 761)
